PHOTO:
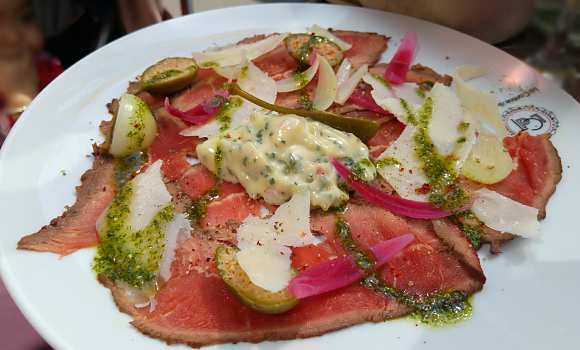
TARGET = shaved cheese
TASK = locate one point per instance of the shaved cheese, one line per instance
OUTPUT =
(256, 82)
(176, 230)
(346, 88)
(251, 79)
(298, 80)
(319, 31)
(233, 55)
(229, 72)
(267, 266)
(505, 215)
(149, 196)
(263, 242)
(406, 176)
(392, 98)
(468, 72)
(289, 226)
(343, 72)
(447, 114)
(326, 88)
(481, 106)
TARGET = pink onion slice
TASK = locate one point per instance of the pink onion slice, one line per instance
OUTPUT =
(201, 113)
(341, 272)
(397, 69)
(359, 98)
(397, 205)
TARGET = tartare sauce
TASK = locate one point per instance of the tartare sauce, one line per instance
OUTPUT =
(275, 156)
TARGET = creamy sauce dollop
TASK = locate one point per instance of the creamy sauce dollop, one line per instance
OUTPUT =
(276, 156)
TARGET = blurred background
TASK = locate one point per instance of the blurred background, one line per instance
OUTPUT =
(39, 39)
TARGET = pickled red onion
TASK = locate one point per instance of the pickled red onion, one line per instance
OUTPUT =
(397, 69)
(397, 205)
(366, 101)
(341, 272)
(199, 114)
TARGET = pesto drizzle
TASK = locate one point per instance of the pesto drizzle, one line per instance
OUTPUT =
(435, 310)
(198, 208)
(444, 191)
(387, 161)
(304, 50)
(126, 255)
(363, 260)
(224, 118)
(473, 231)
(125, 167)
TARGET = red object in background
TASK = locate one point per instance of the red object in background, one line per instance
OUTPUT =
(48, 68)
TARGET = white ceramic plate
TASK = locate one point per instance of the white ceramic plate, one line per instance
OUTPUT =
(530, 300)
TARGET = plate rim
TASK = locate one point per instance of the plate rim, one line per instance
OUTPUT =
(49, 334)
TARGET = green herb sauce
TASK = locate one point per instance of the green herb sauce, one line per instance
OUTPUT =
(409, 115)
(197, 210)
(137, 121)
(435, 310)
(363, 260)
(304, 50)
(387, 161)
(209, 64)
(439, 171)
(473, 231)
(127, 166)
(381, 79)
(363, 170)
(126, 255)
(305, 101)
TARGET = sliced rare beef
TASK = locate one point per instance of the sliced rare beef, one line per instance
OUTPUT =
(76, 227)
(418, 74)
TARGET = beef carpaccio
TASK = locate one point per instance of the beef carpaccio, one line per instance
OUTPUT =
(291, 185)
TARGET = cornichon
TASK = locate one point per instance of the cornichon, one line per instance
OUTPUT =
(302, 45)
(168, 75)
(364, 129)
(251, 295)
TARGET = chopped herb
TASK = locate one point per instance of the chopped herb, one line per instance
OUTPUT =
(363, 260)
(462, 139)
(435, 310)
(409, 115)
(387, 161)
(126, 255)
(197, 210)
(439, 171)
(462, 127)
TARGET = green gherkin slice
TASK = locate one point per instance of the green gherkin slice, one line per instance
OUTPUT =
(248, 293)
(168, 75)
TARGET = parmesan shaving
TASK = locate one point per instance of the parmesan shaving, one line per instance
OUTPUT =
(231, 56)
(505, 215)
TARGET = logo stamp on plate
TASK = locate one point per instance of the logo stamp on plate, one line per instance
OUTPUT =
(535, 120)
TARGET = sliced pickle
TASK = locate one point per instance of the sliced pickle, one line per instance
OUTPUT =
(251, 295)
(302, 45)
(364, 129)
(134, 127)
(488, 162)
(168, 75)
